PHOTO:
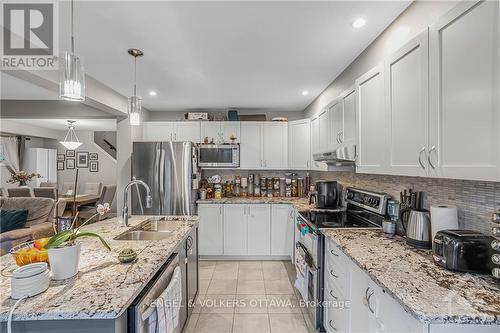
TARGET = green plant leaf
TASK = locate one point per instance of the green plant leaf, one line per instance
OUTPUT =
(93, 234)
(59, 238)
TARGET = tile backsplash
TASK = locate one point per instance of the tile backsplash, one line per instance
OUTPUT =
(476, 201)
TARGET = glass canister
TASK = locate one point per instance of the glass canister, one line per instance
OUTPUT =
(250, 191)
(294, 187)
(263, 187)
(218, 191)
(256, 190)
(282, 187)
(288, 182)
(300, 187)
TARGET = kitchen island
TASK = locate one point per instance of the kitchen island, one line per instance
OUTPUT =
(103, 288)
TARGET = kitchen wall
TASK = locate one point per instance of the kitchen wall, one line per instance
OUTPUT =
(476, 201)
(415, 19)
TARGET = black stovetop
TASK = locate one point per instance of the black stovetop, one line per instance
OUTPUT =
(353, 217)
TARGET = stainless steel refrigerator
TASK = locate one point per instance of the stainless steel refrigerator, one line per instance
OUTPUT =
(168, 168)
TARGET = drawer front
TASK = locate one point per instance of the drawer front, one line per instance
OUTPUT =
(336, 320)
(337, 274)
(335, 255)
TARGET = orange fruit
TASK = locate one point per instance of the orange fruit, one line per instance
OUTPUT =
(41, 243)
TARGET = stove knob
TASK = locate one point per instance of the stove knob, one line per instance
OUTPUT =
(350, 195)
(495, 245)
(376, 202)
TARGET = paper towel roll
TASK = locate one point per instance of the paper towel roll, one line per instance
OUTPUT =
(443, 217)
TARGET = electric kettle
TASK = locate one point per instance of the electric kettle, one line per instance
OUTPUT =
(417, 226)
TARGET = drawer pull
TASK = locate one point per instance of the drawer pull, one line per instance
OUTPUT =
(335, 254)
(331, 273)
(330, 324)
(331, 294)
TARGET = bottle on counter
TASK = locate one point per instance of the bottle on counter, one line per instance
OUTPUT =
(256, 190)
(294, 187)
(282, 187)
(218, 191)
(307, 184)
(263, 187)
(300, 187)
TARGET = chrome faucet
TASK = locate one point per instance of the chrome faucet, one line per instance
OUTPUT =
(149, 200)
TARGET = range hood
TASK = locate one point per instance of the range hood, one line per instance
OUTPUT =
(344, 156)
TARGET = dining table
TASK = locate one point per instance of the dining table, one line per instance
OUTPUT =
(79, 200)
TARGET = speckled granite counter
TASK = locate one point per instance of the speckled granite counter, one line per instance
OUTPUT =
(103, 287)
(431, 293)
(298, 203)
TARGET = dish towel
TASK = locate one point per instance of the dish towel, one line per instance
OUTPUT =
(301, 282)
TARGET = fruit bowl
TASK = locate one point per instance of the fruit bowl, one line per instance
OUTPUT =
(27, 253)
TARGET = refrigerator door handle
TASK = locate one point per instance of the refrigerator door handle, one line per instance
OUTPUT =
(162, 176)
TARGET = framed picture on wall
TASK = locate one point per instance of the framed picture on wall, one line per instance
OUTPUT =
(70, 153)
(70, 163)
(93, 156)
(82, 159)
(94, 166)
(60, 165)
(61, 157)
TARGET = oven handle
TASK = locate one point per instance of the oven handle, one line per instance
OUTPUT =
(307, 257)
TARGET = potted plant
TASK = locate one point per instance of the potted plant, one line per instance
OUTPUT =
(64, 250)
(22, 177)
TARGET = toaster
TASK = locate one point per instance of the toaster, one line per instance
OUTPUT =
(462, 250)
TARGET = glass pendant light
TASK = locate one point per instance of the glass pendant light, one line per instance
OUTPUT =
(72, 84)
(71, 141)
(135, 102)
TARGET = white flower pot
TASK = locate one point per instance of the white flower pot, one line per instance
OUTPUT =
(64, 261)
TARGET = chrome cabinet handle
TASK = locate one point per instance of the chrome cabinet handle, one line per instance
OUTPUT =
(429, 157)
(308, 164)
(420, 158)
(367, 297)
(341, 133)
(331, 294)
(335, 254)
(330, 324)
(331, 273)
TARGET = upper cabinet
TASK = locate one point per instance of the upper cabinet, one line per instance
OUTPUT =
(337, 123)
(324, 130)
(315, 144)
(187, 131)
(371, 120)
(299, 148)
(220, 131)
(406, 96)
(348, 136)
(171, 131)
(464, 93)
(251, 145)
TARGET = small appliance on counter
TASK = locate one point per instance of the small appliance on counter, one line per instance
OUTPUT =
(326, 196)
(415, 220)
(462, 250)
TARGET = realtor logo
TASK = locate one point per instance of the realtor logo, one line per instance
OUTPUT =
(29, 35)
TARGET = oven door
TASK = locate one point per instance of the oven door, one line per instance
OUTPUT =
(210, 156)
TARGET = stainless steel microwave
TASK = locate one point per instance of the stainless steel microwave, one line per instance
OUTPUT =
(219, 156)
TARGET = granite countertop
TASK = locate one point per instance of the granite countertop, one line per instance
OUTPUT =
(431, 293)
(299, 203)
(103, 287)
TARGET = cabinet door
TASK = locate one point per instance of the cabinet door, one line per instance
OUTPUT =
(406, 93)
(370, 116)
(210, 130)
(230, 128)
(325, 135)
(392, 318)
(251, 145)
(362, 319)
(349, 117)
(158, 131)
(187, 131)
(315, 144)
(275, 145)
(259, 229)
(281, 230)
(210, 229)
(52, 166)
(337, 123)
(464, 86)
(299, 148)
(235, 229)
(42, 166)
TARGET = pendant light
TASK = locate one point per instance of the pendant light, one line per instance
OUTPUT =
(71, 141)
(72, 84)
(135, 102)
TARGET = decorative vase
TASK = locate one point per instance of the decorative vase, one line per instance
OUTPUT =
(22, 183)
(64, 261)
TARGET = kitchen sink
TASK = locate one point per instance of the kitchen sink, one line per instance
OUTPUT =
(151, 229)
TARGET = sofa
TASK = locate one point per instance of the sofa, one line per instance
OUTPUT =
(39, 224)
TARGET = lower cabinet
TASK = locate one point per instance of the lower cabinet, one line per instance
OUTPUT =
(246, 230)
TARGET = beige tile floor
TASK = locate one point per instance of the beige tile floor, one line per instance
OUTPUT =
(248, 297)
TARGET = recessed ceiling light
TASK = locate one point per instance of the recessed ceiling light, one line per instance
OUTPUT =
(358, 23)
(152, 93)
(305, 92)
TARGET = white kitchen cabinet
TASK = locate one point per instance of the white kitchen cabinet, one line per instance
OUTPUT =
(251, 145)
(406, 95)
(210, 229)
(464, 92)
(315, 144)
(282, 226)
(220, 131)
(325, 137)
(187, 131)
(299, 148)
(275, 152)
(392, 318)
(337, 123)
(371, 122)
(259, 229)
(171, 131)
(235, 229)
(41, 161)
(348, 136)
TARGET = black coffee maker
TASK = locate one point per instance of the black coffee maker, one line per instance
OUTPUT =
(326, 196)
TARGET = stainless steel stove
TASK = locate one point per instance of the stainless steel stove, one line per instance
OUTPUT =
(363, 209)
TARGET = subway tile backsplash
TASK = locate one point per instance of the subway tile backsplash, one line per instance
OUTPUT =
(476, 201)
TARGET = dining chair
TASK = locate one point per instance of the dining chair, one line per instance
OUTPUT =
(19, 192)
(67, 186)
(92, 188)
(107, 195)
(2, 192)
(45, 192)
(48, 184)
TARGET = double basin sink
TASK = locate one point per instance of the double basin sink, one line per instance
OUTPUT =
(151, 229)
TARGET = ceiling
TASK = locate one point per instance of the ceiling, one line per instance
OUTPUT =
(215, 55)
(80, 125)
(14, 88)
